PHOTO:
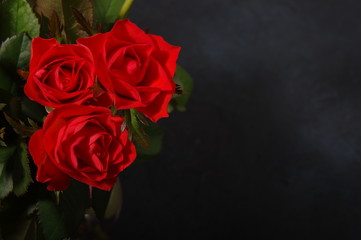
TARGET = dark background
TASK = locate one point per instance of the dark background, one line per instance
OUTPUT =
(270, 144)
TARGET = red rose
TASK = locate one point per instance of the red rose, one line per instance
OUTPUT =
(81, 142)
(135, 68)
(59, 74)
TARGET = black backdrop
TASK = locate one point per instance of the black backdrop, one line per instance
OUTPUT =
(270, 144)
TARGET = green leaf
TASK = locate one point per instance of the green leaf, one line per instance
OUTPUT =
(124, 11)
(14, 55)
(115, 202)
(32, 232)
(52, 223)
(33, 109)
(64, 10)
(31, 3)
(14, 107)
(73, 202)
(155, 135)
(19, 127)
(60, 221)
(33, 124)
(5, 82)
(5, 154)
(135, 130)
(14, 170)
(83, 23)
(100, 201)
(55, 27)
(106, 11)
(45, 29)
(6, 181)
(16, 16)
(21, 170)
(15, 52)
(184, 80)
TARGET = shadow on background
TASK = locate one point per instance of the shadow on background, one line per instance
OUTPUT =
(270, 144)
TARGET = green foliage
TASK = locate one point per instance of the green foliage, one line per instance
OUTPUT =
(73, 202)
(16, 16)
(124, 11)
(59, 221)
(33, 109)
(155, 135)
(21, 172)
(15, 52)
(19, 127)
(146, 135)
(63, 8)
(84, 24)
(51, 220)
(14, 170)
(136, 132)
(100, 201)
(105, 204)
(6, 84)
(106, 11)
(115, 202)
(14, 55)
(185, 82)
(13, 106)
(55, 27)
(6, 181)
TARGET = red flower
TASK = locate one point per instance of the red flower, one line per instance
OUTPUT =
(59, 74)
(135, 68)
(81, 142)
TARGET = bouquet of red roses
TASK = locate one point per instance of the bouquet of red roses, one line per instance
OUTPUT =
(81, 90)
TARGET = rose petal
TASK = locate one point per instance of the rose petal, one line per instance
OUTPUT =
(167, 54)
(47, 171)
(158, 109)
